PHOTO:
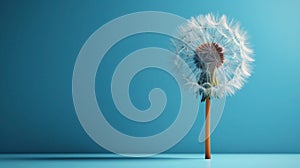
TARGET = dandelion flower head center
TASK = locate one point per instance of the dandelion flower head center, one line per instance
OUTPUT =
(209, 56)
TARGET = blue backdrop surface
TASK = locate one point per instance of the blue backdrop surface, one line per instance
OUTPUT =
(40, 41)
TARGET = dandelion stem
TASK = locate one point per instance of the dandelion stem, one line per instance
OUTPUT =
(207, 129)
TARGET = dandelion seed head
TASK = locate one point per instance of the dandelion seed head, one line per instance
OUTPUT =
(217, 51)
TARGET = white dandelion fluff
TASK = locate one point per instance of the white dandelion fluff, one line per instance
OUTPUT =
(217, 51)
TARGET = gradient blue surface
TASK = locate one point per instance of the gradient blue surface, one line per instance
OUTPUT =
(165, 160)
(40, 41)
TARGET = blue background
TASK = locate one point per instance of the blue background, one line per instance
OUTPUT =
(40, 41)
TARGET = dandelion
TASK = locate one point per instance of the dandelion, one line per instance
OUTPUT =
(217, 51)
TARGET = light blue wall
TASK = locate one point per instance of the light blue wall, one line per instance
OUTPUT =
(40, 41)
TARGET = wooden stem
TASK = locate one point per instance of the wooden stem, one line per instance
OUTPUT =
(207, 129)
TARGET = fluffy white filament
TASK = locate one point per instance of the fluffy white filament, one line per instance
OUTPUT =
(227, 34)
